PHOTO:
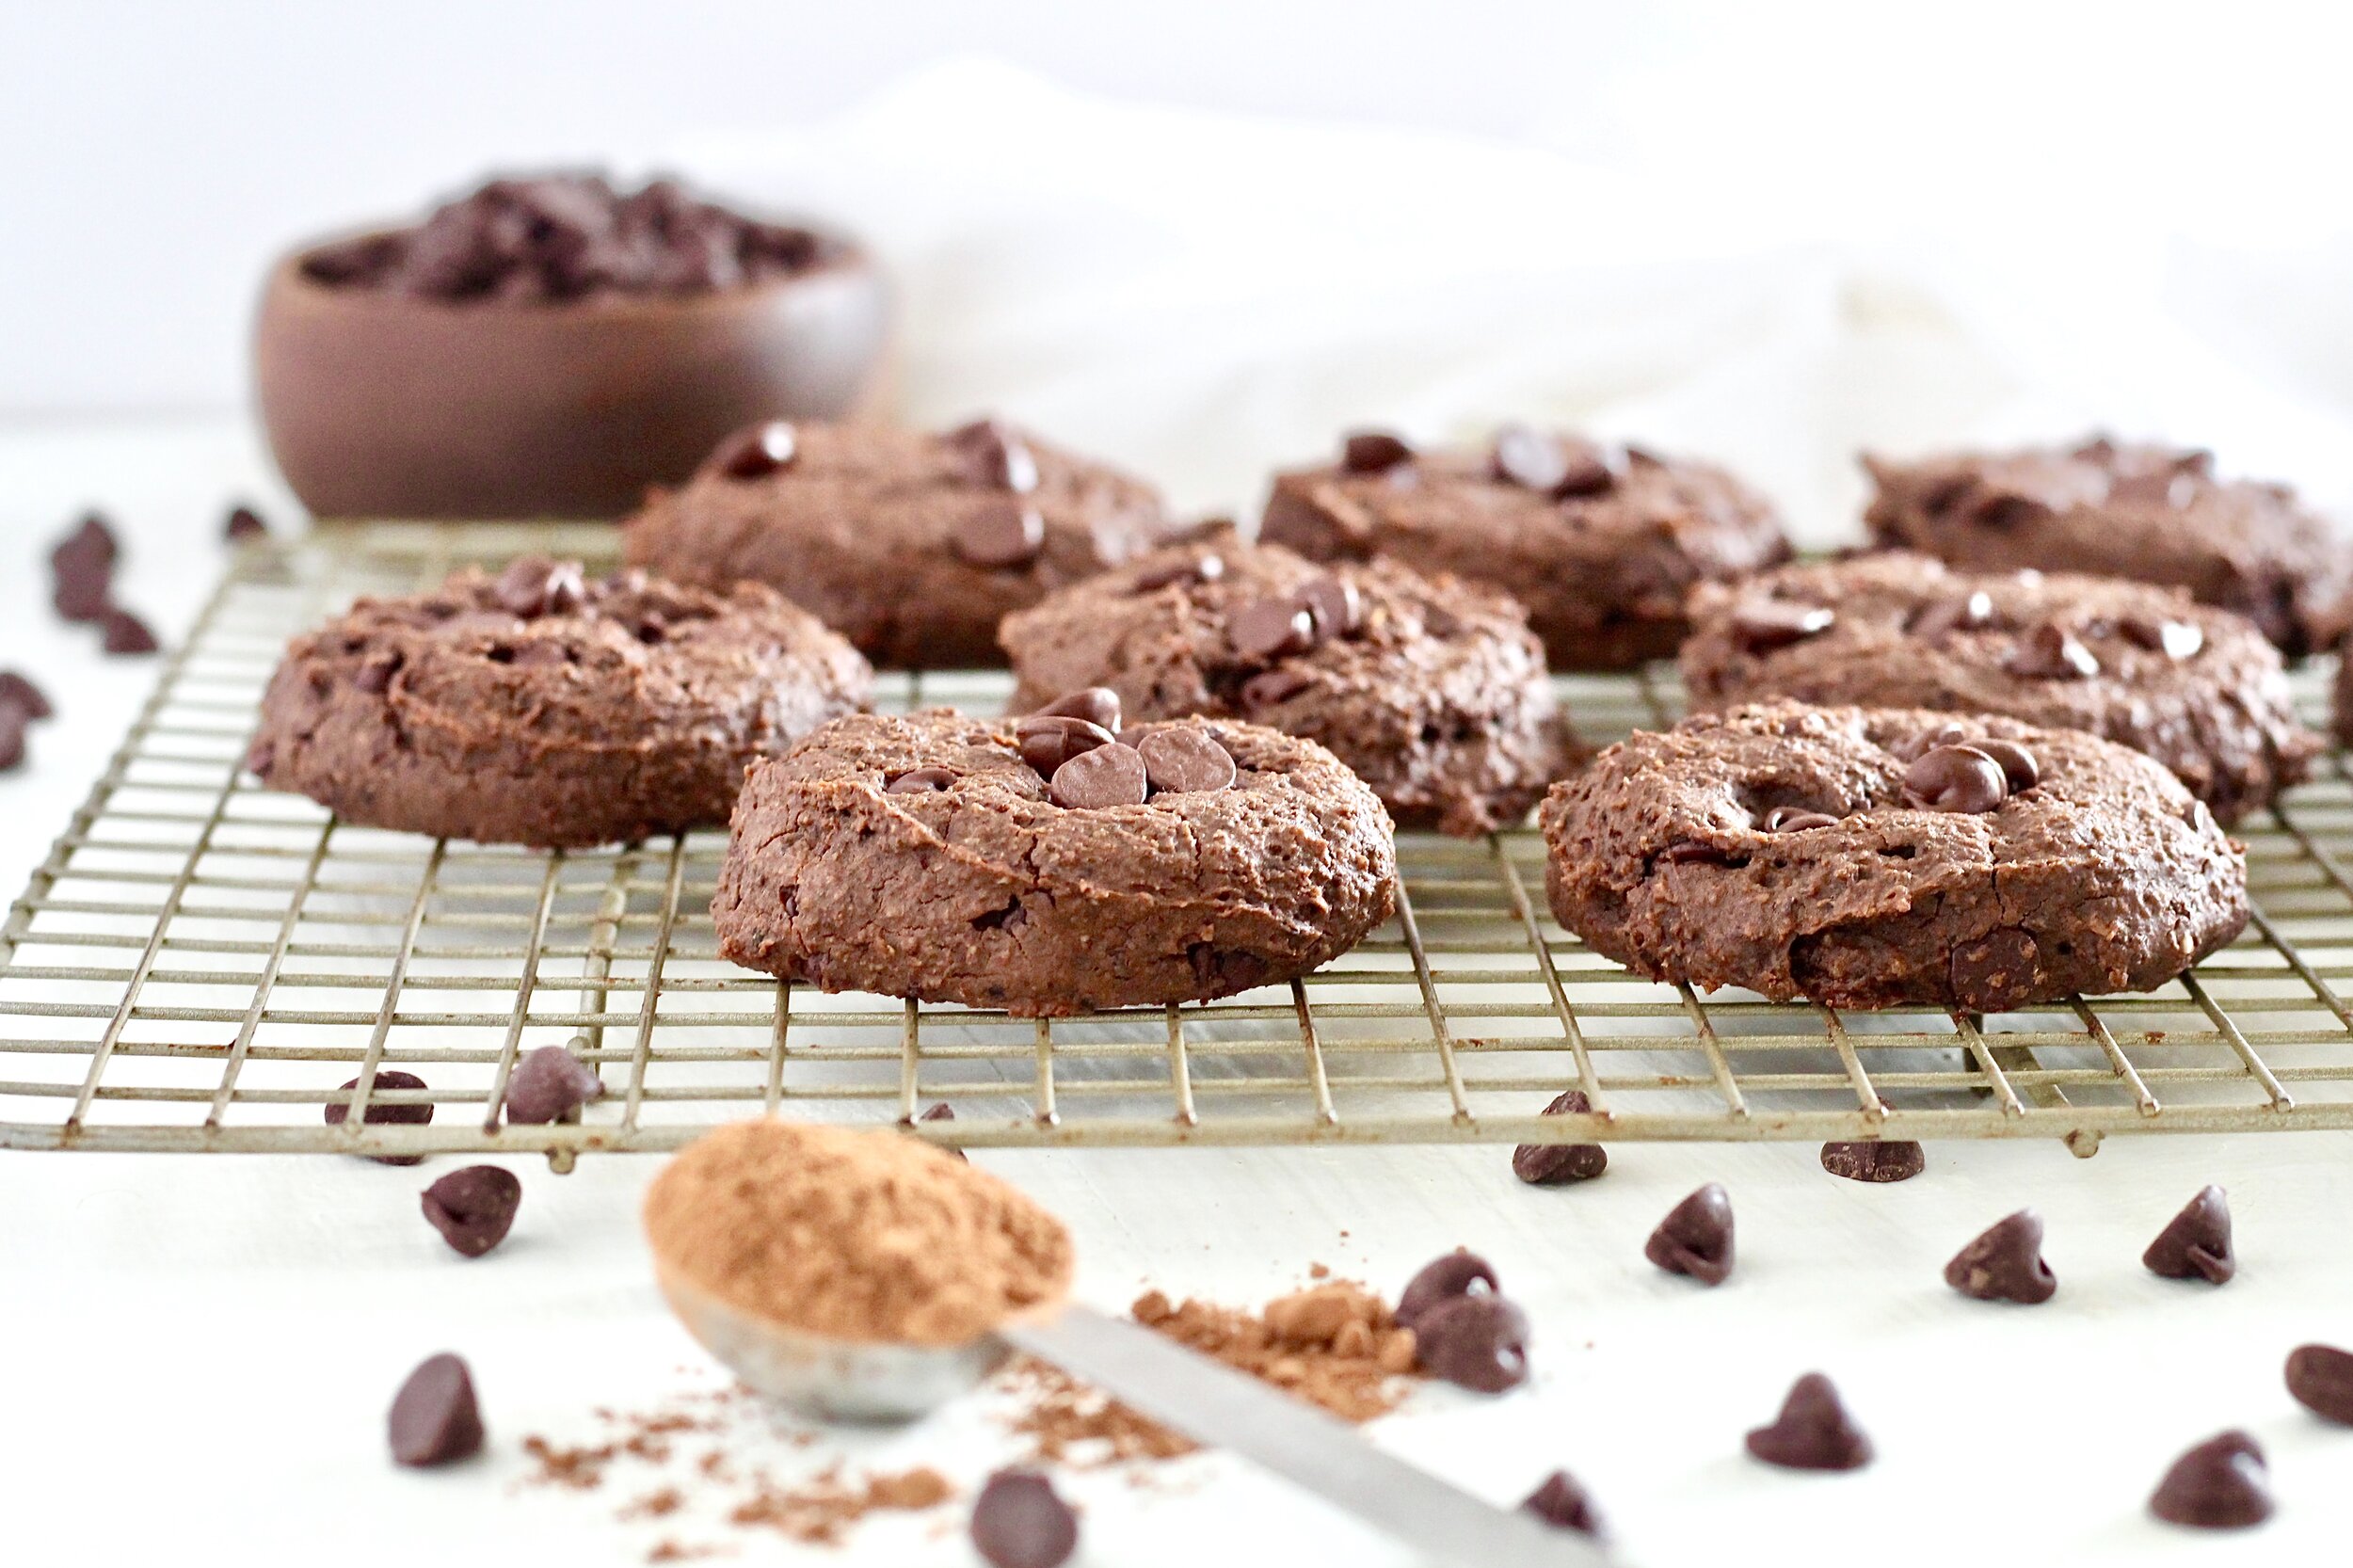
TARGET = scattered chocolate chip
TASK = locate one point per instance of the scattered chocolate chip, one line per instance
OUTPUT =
(376, 672)
(1474, 1341)
(2196, 1244)
(244, 522)
(124, 633)
(381, 1114)
(1373, 452)
(1019, 1521)
(1894, 1160)
(549, 1084)
(1001, 534)
(1788, 819)
(1110, 774)
(1695, 1238)
(1097, 704)
(993, 453)
(22, 694)
(756, 452)
(1961, 613)
(475, 1207)
(2175, 639)
(943, 1111)
(920, 781)
(1559, 1164)
(2320, 1377)
(1812, 1431)
(12, 725)
(83, 587)
(1334, 609)
(92, 540)
(1561, 1503)
(533, 586)
(1182, 760)
(2050, 653)
(1530, 458)
(1441, 1280)
(435, 1419)
(2020, 771)
(1954, 778)
(1270, 628)
(2004, 1264)
(1764, 625)
(1201, 568)
(2221, 1484)
(1268, 687)
(1047, 741)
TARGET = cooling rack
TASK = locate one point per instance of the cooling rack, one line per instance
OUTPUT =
(201, 964)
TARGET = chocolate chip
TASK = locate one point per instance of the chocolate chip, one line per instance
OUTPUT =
(124, 633)
(22, 694)
(535, 585)
(1788, 819)
(1812, 1431)
(1019, 1521)
(1894, 1160)
(1593, 470)
(244, 522)
(1764, 625)
(2020, 771)
(994, 455)
(2320, 1377)
(1097, 704)
(2050, 653)
(84, 577)
(920, 781)
(2221, 1484)
(1199, 569)
(2175, 639)
(1559, 1164)
(473, 1208)
(1954, 778)
(1000, 534)
(1373, 452)
(943, 1112)
(1047, 741)
(1334, 608)
(549, 1084)
(2196, 1244)
(1561, 1503)
(1441, 1280)
(1182, 760)
(1271, 629)
(1474, 1341)
(13, 723)
(376, 672)
(435, 1419)
(754, 453)
(379, 1114)
(1695, 1238)
(1268, 687)
(2004, 1264)
(92, 540)
(1530, 458)
(1108, 775)
(1962, 613)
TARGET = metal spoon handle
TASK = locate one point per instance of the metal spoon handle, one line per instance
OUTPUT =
(1215, 1405)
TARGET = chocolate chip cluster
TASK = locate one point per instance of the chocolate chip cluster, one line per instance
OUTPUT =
(1464, 1330)
(1951, 772)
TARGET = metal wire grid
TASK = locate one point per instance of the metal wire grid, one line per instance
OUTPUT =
(200, 963)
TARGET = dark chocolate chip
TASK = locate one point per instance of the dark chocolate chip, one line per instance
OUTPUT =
(1270, 628)
(1019, 1521)
(376, 672)
(1108, 775)
(1894, 1160)
(756, 452)
(535, 585)
(1788, 819)
(1695, 1238)
(1182, 760)
(1961, 613)
(381, 1114)
(1097, 704)
(1954, 778)
(943, 1112)
(920, 781)
(549, 1084)
(2049, 652)
(2320, 1377)
(1764, 625)
(1000, 534)
(1334, 608)
(12, 725)
(1596, 469)
(2196, 1244)
(1563, 1504)
(2004, 1263)
(1812, 1431)
(473, 1208)
(2019, 770)
(1440, 1280)
(1373, 452)
(1047, 741)
(244, 522)
(1474, 1341)
(1559, 1164)
(994, 455)
(1531, 460)
(92, 540)
(1200, 568)
(2221, 1484)
(22, 694)
(2175, 639)
(435, 1419)
(1268, 687)
(124, 633)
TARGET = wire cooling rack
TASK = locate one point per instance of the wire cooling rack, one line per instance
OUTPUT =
(200, 963)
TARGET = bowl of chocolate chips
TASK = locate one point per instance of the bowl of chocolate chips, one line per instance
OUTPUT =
(549, 346)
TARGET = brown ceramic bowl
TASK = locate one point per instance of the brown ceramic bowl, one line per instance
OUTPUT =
(384, 405)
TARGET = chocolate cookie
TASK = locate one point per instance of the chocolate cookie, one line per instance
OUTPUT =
(913, 545)
(923, 856)
(1600, 543)
(2198, 689)
(2153, 513)
(1869, 857)
(540, 708)
(1432, 689)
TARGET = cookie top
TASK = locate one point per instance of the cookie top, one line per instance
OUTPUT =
(1600, 543)
(2199, 689)
(912, 545)
(2155, 513)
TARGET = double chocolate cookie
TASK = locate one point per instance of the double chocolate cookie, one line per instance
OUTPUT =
(1601, 543)
(2153, 513)
(1870, 858)
(953, 859)
(538, 708)
(1432, 689)
(2199, 689)
(913, 545)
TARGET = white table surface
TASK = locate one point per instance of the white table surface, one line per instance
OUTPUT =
(200, 1351)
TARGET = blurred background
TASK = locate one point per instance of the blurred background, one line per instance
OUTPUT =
(1199, 239)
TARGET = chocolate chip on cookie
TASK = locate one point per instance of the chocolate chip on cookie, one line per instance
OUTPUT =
(1104, 776)
(1954, 778)
(1373, 452)
(1177, 760)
